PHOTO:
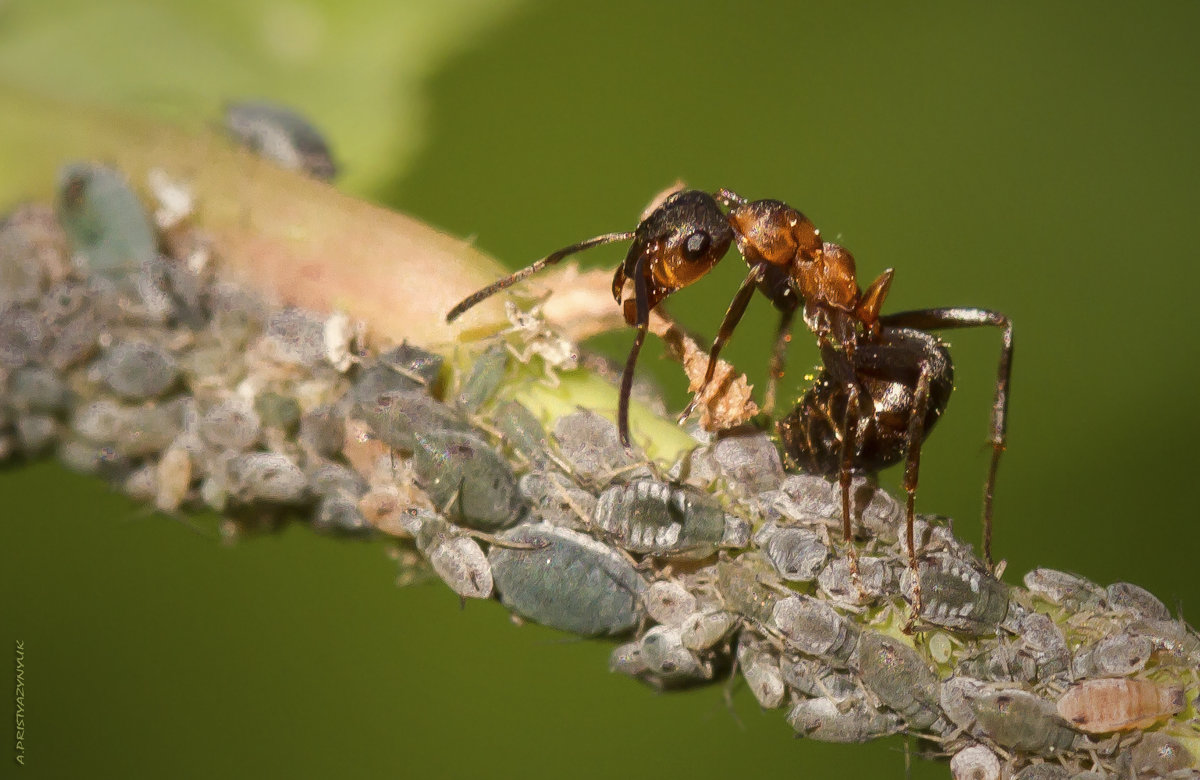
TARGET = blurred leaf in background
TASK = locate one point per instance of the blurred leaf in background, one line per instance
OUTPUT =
(1039, 160)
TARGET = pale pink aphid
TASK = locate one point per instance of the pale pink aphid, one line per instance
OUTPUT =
(1100, 706)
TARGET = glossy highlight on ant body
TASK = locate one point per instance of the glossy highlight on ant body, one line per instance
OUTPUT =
(885, 380)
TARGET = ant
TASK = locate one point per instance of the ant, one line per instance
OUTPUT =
(885, 380)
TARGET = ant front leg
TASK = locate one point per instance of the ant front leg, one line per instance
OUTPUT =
(642, 304)
(952, 318)
(733, 315)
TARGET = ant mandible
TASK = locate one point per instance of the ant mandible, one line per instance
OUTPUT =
(885, 381)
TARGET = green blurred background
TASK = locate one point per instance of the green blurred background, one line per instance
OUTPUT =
(1039, 159)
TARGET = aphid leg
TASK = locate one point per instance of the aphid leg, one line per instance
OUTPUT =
(783, 337)
(947, 319)
(912, 468)
(733, 315)
(508, 281)
(729, 688)
(496, 541)
(641, 297)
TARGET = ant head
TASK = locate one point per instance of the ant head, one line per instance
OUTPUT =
(773, 232)
(680, 241)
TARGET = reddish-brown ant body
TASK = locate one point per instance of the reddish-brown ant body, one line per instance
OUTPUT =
(885, 381)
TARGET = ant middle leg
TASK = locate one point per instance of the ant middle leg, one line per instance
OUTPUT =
(840, 367)
(960, 317)
(783, 337)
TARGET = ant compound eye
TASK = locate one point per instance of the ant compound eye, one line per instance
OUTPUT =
(696, 245)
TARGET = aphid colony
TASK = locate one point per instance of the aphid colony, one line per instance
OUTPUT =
(142, 368)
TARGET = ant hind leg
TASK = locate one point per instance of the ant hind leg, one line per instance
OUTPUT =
(912, 467)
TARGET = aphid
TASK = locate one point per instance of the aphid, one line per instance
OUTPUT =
(627, 659)
(1104, 705)
(899, 677)
(419, 367)
(281, 135)
(1043, 640)
(265, 476)
(553, 498)
(591, 446)
(975, 762)
(397, 416)
(231, 425)
(464, 475)
(1130, 599)
(744, 590)
(485, 376)
(523, 432)
(1064, 588)
(760, 667)
(456, 557)
(875, 578)
(657, 518)
(339, 489)
(1158, 755)
(668, 602)
(847, 720)
(958, 596)
(705, 629)
(37, 390)
(748, 460)
(815, 628)
(1017, 720)
(567, 580)
(467, 479)
(147, 430)
(104, 219)
(279, 412)
(173, 476)
(296, 336)
(89, 458)
(805, 498)
(1170, 636)
(1005, 662)
(814, 678)
(322, 431)
(798, 554)
(664, 654)
(137, 370)
(1118, 655)
(535, 337)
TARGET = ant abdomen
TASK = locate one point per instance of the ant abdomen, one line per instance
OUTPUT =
(889, 371)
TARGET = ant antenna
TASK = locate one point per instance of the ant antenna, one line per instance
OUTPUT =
(525, 273)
